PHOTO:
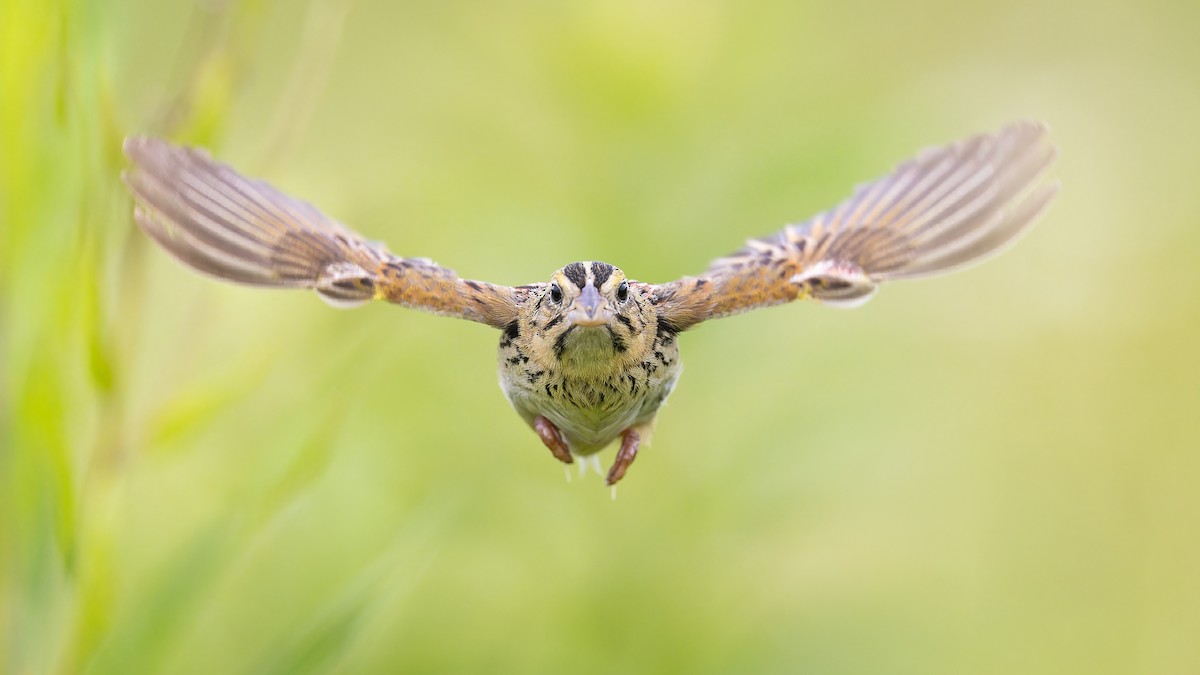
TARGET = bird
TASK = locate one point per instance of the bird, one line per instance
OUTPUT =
(588, 357)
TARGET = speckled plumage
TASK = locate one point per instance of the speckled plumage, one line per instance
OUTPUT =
(592, 383)
(590, 356)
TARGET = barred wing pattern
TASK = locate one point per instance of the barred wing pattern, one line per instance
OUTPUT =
(946, 209)
(238, 229)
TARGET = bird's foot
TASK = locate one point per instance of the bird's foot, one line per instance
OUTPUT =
(625, 456)
(553, 439)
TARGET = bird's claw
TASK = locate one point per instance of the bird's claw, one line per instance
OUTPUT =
(553, 439)
(625, 456)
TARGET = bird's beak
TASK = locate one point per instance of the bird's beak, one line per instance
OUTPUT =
(590, 309)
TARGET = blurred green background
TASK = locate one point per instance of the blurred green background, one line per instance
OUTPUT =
(991, 473)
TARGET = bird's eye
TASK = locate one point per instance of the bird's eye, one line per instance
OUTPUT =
(555, 293)
(623, 292)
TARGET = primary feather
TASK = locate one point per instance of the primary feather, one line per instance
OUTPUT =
(238, 229)
(947, 208)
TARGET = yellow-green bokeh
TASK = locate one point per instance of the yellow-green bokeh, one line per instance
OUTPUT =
(994, 472)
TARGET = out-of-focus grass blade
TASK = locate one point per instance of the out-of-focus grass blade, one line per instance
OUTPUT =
(332, 634)
(318, 646)
(305, 467)
(196, 407)
(43, 407)
(143, 634)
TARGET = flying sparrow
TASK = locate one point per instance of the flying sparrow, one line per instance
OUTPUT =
(590, 355)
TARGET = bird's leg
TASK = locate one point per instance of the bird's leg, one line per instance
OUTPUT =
(553, 439)
(630, 439)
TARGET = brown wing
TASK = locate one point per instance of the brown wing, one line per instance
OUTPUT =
(947, 208)
(242, 230)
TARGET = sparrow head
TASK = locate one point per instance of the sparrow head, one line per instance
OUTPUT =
(589, 294)
(593, 307)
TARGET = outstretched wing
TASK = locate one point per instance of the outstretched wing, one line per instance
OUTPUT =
(243, 230)
(945, 209)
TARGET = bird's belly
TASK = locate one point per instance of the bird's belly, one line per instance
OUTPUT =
(587, 430)
(591, 412)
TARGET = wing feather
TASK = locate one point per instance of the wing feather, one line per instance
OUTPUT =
(242, 230)
(945, 209)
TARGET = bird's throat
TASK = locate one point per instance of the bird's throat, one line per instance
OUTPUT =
(588, 348)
